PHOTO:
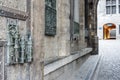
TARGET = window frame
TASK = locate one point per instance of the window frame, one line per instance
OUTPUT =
(119, 6)
(112, 7)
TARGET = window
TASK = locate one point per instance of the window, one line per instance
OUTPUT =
(76, 17)
(108, 10)
(50, 17)
(113, 9)
(108, 2)
(76, 28)
(119, 29)
(114, 2)
(119, 6)
(110, 6)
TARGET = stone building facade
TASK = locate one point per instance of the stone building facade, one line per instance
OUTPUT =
(21, 16)
(64, 51)
(57, 29)
(104, 18)
(65, 42)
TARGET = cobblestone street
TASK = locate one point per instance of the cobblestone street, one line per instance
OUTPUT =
(109, 65)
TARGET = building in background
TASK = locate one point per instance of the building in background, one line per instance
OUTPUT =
(108, 19)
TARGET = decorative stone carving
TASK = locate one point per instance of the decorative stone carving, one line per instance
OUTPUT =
(50, 17)
(19, 49)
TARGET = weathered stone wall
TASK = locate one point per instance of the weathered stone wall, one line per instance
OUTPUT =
(27, 71)
(13, 72)
(2, 49)
(59, 45)
(82, 43)
(78, 44)
(52, 47)
(14, 4)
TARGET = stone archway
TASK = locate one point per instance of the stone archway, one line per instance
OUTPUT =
(91, 10)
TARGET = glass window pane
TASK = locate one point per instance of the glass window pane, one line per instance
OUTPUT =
(113, 1)
(76, 28)
(108, 10)
(108, 2)
(113, 9)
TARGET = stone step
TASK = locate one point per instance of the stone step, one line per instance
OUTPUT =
(86, 71)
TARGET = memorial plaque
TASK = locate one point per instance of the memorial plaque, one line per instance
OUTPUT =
(50, 18)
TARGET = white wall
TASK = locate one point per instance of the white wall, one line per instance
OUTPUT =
(104, 18)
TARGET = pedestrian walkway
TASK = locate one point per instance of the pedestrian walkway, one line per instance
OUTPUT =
(86, 71)
(109, 66)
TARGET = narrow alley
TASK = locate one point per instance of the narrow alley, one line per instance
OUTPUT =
(109, 65)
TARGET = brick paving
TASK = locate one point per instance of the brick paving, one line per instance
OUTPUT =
(109, 65)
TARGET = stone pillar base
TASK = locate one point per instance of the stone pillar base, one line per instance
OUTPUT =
(95, 45)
